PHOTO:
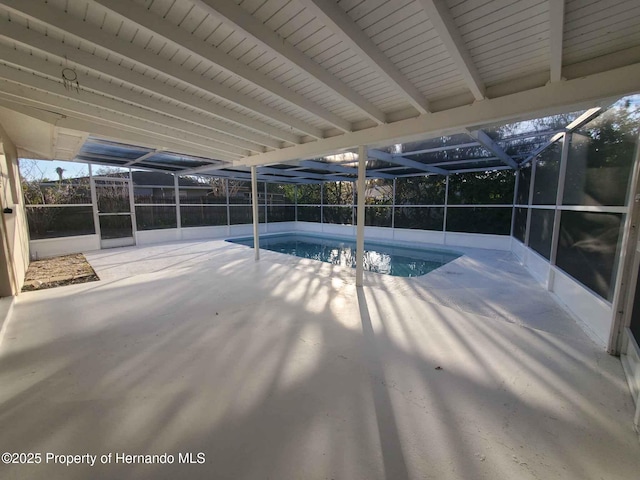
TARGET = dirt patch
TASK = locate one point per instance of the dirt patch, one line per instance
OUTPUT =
(58, 271)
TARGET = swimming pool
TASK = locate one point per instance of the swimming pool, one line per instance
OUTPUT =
(379, 258)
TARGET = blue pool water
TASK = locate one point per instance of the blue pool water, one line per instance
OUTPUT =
(379, 258)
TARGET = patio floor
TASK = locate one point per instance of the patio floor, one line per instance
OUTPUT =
(282, 369)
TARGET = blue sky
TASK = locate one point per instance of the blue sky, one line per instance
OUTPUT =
(40, 169)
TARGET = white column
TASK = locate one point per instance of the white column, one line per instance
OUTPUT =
(393, 210)
(562, 175)
(266, 209)
(445, 210)
(362, 175)
(94, 201)
(322, 206)
(176, 194)
(256, 217)
(226, 190)
(132, 207)
(515, 201)
(532, 182)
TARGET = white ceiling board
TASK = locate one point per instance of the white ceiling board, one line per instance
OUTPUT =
(553, 98)
(27, 133)
(270, 40)
(506, 39)
(292, 45)
(600, 28)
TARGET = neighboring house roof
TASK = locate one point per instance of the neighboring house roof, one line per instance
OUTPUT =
(153, 179)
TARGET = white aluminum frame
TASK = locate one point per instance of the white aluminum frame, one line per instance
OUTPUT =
(114, 242)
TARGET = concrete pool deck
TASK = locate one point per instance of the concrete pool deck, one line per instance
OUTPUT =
(282, 369)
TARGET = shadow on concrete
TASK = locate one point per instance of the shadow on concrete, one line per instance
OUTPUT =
(281, 369)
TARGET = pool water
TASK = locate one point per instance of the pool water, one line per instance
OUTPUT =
(386, 259)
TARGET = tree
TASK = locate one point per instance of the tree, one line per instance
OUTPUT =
(338, 193)
(309, 193)
(423, 190)
(45, 196)
(482, 188)
(601, 157)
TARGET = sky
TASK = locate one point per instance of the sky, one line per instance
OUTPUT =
(41, 169)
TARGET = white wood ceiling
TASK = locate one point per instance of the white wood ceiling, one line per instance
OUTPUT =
(239, 80)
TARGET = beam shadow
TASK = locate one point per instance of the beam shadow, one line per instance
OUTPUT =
(395, 466)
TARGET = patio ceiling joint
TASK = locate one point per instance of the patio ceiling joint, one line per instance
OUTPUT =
(441, 149)
(38, 92)
(209, 53)
(445, 26)
(487, 142)
(585, 118)
(144, 157)
(294, 175)
(118, 133)
(237, 175)
(336, 19)
(215, 129)
(340, 169)
(55, 18)
(556, 34)
(235, 15)
(405, 162)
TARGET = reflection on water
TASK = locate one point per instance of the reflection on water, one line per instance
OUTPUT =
(385, 259)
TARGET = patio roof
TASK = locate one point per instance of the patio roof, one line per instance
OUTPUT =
(204, 84)
(496, 148)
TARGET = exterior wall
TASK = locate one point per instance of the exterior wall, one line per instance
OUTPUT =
(6, 307)
(14, 234)
(7, 272)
